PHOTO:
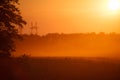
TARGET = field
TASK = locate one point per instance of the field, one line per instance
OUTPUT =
(73, 69)
(62, 68)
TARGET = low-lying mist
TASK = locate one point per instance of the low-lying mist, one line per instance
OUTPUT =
(70, 45)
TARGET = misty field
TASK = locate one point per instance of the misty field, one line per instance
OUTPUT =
(73, 69)
(86, 45)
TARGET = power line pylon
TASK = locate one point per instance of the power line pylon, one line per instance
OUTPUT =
(34, 28)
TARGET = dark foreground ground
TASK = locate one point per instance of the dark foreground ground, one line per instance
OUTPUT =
(60, 69)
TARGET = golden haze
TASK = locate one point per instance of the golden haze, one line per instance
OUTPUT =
(72, 16)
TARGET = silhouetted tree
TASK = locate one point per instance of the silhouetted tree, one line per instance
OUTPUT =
(10, 21)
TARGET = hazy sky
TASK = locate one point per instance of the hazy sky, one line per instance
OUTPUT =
(70, 16)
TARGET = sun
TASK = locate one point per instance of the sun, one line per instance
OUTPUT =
(114, 5)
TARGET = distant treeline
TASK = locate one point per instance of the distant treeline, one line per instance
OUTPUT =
(79, 44)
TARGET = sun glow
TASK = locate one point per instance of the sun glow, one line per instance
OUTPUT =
(114, 4)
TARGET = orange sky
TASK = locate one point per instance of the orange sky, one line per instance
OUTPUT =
(70, 16)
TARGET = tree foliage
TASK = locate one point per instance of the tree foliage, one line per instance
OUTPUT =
(10, 21)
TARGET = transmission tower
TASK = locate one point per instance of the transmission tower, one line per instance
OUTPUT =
(34, 28)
